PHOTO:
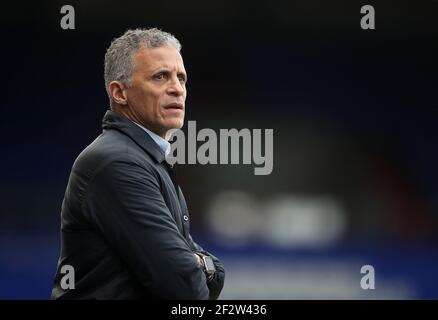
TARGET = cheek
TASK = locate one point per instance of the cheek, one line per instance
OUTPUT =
(139, 97)
(147, 101)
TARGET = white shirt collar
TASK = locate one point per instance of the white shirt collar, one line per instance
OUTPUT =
(162, 143)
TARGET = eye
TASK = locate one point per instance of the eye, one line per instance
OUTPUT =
(182, 78)
(160, 76)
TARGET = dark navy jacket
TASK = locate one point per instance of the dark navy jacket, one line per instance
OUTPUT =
(124, 225)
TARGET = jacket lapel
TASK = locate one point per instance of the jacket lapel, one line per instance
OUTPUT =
(113, 120)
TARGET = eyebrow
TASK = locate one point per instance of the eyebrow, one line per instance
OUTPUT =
(162, 69)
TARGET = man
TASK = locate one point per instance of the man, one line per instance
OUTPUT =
(124, 220)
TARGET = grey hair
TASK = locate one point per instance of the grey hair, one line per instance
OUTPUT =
(119, 62)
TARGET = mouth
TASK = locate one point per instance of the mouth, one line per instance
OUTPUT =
(174, 106)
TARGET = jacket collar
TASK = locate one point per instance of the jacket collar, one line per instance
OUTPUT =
(113, 120)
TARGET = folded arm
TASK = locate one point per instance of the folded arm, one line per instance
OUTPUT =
(123, 201)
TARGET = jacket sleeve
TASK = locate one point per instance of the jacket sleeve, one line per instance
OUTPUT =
(216, 283)
(123, 201)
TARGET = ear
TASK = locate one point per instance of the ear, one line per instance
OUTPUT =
(117, 92)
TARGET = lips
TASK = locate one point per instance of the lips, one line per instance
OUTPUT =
(174, 105)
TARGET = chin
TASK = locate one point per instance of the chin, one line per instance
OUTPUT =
(175, 124)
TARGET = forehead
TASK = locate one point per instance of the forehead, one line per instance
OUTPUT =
(150, 59)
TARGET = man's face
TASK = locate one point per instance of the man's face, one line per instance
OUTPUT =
(156, 97)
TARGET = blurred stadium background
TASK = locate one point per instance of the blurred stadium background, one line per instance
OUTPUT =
(354, 114)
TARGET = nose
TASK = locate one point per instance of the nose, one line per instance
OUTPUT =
(176, 88)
